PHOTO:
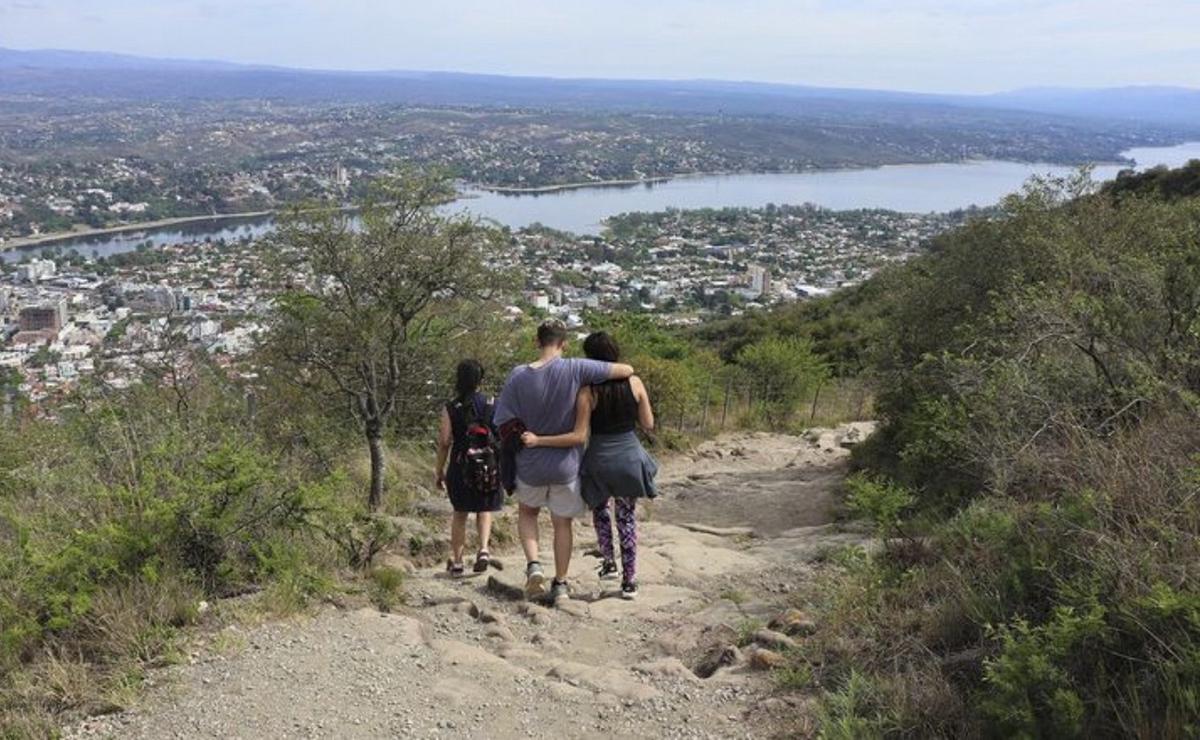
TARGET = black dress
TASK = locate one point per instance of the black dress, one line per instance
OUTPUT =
(615, 463)
(463, 498)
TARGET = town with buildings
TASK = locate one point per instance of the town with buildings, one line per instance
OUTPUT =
(69, 317)
(112, 319)
(686, 266)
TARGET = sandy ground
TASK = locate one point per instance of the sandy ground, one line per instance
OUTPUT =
(735, 532)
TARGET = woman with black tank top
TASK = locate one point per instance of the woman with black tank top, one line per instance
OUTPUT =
(615, 465)
(468, 407)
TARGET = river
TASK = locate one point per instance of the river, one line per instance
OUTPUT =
(919, 188)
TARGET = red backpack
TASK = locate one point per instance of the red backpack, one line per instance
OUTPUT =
(479, 461)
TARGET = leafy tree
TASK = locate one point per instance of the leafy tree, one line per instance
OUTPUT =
(380, 299)
(780, 372)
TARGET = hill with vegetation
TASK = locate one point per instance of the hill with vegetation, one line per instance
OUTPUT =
(1035, 478)
(1033, 485)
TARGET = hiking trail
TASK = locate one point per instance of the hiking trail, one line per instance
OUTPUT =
(738, 527)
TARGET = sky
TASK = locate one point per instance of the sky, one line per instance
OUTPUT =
(923, 45)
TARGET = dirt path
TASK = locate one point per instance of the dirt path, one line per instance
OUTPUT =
(733, 534)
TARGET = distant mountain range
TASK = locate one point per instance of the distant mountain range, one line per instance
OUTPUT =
(92, 74)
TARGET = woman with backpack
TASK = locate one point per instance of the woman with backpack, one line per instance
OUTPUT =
(615, 466)
(468, 465)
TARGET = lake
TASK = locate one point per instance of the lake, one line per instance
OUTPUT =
(917, 188)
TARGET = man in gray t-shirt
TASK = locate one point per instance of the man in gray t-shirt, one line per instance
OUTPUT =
(542, 396)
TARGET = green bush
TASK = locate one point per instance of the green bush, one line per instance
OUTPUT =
(879, 500)
(1029, 692)
(121, 516)
(780, 372)
(855, 711)
(1038, 384)
(387, 588)
(797, 677)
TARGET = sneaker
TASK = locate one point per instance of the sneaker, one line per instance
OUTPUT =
(559, 591)
(608, 570)
(629, 591)
(455, 570)
(482, 560)
(535, 581)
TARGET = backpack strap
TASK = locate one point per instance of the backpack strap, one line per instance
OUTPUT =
(485, 411)
(461, 417)
(478, 411)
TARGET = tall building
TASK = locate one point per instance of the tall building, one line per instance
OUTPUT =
(162, 296)
(48, 317)
(760, 280)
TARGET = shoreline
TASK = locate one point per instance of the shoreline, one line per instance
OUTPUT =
(27, 242)
(23, 242)
(49, 240)
(660, 179)
(544, 189)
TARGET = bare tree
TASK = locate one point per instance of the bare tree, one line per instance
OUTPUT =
(374, 298)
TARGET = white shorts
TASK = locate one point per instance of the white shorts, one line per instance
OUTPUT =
(562, 499)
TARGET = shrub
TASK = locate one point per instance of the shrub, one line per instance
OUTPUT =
(387, 588)
(120, 517)
(854, 711)
(796, 677)
(746, 629)
(780, 371)
(879, 500)
(1029, 691)
(670, 386)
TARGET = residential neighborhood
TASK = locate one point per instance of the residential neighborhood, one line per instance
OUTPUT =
(69, 316)
(689, 265)
(109, 319)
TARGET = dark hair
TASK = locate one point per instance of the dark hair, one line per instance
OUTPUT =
(551, 332)
(601, 346)
(467, 378)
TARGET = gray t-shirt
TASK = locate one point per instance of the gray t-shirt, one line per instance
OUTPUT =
(543, 398)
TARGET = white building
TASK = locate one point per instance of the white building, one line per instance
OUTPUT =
(202, 330)
(36, 270)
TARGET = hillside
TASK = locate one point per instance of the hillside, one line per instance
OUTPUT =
(1034, 479)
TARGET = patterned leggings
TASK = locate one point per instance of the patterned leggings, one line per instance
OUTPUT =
(626, 530)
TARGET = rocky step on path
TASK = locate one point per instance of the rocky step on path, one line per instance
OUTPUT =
(735, 532)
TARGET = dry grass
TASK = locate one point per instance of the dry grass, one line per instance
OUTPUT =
(138, 620)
